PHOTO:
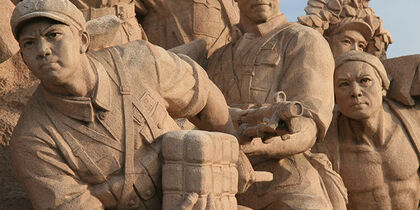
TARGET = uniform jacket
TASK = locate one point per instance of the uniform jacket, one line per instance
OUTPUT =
(69, 151)
(298, 61)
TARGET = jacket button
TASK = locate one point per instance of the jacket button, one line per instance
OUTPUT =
(102, 115)
(159, 125)
(131, 202)
(148, 192)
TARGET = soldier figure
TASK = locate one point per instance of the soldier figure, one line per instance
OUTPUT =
(89, 136)
(169, 23)
(130, 30)
(373, 141)
(270, 55)
(348, 25)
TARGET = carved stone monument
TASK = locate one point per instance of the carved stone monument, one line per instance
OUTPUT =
(90, 135)
(348, 25)
(373, 141)
(169, 23)
(269, 55)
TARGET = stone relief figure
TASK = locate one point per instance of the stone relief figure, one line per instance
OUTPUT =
(89, 136)
(127, 29)
(269, 55)
(169, 23)
(373, 141)
(348, 25)
(353, 25)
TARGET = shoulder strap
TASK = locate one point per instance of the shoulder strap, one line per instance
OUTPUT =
(128, 129)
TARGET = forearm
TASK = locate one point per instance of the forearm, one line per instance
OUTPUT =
(215, 115)
(286, 145)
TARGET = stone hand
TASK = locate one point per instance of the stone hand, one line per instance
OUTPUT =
(285, 145)
(247, 175)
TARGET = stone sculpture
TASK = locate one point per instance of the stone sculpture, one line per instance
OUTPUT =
(89, 136)
(170, 23)
(269, 54)
(200, 164)
(373, 141)
(128, 30)
(348, 25)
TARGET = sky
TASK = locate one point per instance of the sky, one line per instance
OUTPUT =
(400, 19)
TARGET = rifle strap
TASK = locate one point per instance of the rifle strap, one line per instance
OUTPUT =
(128, 130)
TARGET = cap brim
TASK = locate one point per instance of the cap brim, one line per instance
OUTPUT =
(359, 26)
(50, 15)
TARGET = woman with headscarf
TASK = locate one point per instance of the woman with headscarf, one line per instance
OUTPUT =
(373, 142)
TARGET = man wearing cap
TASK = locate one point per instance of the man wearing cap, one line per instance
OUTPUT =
(373, 142)
(348, 26)
(89, 136)
(270, 55)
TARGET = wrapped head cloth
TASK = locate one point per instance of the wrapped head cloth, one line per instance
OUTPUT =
(62, 11)
(365, 58)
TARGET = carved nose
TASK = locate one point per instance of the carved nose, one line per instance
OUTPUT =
(356, 92)
(44, 48)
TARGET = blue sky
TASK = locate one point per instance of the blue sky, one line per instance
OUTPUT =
(400, 18)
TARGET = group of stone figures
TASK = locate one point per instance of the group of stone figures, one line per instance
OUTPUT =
(311, 115)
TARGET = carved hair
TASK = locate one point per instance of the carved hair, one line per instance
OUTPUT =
(331, 16)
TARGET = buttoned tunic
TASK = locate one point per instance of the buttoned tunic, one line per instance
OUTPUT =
(56, 133)
(294, 59)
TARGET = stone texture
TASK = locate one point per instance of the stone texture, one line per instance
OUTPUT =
(8, 45)
(17, 85)
(373, 137)
(170, 23)
(203, 163)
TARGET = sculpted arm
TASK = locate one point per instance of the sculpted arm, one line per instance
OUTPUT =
(48, 179)
(189, 93)
(307, 78)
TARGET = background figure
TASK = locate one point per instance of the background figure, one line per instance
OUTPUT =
(129, 29)
(169, 23)
(373, 141)
(348, 25)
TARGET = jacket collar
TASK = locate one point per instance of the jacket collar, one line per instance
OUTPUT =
(82, 108)
(262, 28)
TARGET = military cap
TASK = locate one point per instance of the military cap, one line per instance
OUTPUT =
(366, 58)
(59, 10)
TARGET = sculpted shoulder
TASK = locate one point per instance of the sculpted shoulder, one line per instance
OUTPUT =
(33, 121)
(306, 34)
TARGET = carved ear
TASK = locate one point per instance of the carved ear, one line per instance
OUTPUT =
(85, 41)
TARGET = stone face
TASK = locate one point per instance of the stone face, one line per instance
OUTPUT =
(332, 17)
(90, 135)
(388, 162)
(203, 163)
